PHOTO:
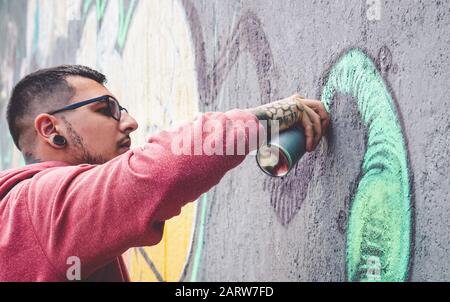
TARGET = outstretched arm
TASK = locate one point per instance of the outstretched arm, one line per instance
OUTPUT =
(311, 114)
(97, 212)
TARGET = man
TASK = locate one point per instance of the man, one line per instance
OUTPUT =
(85, 195)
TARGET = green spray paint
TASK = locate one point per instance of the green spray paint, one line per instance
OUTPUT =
(124, 16)
(199, 240)
(100, 9)
(124, 22)
(100, 6)
(379, 227)
(86, 6)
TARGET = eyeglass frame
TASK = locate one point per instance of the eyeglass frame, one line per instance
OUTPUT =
(90, 101)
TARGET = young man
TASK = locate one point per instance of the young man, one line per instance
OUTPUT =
(85, 195)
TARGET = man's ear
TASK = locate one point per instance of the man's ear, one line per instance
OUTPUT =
(47, 126)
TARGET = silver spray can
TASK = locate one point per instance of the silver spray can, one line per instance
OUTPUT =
(282, 152)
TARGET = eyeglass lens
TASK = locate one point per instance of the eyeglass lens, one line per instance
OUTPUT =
(114, 107)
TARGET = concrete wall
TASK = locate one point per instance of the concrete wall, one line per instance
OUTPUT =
(372, 202)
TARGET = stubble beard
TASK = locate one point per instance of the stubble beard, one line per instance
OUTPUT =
(83, 156)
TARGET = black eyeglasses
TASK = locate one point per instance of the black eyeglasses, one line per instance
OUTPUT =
(114, 108)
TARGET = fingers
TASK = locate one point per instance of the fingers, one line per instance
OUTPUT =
(316, 125)
(318, 107)
(314, 119)
(315, 122)
(309, 131)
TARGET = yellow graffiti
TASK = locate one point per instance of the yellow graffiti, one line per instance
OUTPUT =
(170, 256)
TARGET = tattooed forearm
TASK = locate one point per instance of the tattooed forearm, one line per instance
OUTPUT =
(286, 111)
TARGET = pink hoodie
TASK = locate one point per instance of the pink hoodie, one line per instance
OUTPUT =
(51, 211)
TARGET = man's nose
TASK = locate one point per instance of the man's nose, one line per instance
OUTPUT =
(127, 123)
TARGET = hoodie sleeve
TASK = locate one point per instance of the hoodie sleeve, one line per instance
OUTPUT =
(97, 212)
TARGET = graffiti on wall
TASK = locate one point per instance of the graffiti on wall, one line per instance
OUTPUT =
(6, 147)
(371, 233)
(96, 33)
(247, 36)
(379, 226)
(154, 56)
(10, 53)
(126, 10)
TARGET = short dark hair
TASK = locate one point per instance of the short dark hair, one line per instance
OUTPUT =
(39, 92)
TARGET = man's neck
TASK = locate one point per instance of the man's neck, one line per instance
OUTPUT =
(30, 159)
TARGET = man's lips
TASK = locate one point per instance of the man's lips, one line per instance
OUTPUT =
(125, 143)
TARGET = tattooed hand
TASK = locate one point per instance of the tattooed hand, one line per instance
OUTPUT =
(311, 114)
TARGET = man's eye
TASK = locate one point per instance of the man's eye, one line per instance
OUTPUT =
(104, 110)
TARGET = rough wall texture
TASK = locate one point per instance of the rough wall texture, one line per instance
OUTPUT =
(371, 203)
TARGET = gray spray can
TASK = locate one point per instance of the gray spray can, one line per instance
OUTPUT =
(282, 152)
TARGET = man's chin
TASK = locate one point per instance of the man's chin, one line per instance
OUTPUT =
(123, 150)
(101, 159)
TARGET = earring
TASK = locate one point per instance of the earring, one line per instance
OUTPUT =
(59, 140)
